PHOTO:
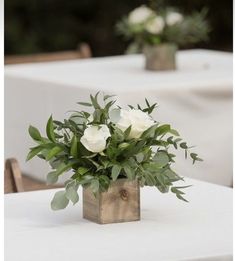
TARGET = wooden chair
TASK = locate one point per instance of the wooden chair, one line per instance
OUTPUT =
(12, 177)
(14, 181)
(82, 52)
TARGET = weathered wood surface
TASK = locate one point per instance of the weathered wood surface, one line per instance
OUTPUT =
(121, 203)
(160, 57)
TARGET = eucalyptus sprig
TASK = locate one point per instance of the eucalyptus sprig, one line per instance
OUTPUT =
(99, 147)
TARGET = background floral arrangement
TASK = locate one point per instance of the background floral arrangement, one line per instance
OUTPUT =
(145, 25)
(107, 144)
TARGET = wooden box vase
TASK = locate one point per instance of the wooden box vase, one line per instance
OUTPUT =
(160, 57)
(121, 203)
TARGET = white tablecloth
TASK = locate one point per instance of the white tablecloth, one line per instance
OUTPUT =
(169, 228)
(196, 99)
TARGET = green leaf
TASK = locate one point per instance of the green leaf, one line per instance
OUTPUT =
(53, 152)
(195, 157)
(183, 145)
(94, 185)
(104, 182)
(82, 170)
(181, 198)
(139, 157)
(147, 102)
(152, 166)
(33, 152)
(86, 179)
(149, 132)
(74, 147)
(109, 105)
(97, 115)
(115, 172)
(130, 173)
(71, 193)
(104, 178)
(171, 175)
(34, 133)
(63, 167)
(183, 187)
(174, 132)
(50, 130)
(59, 201)
(85, 104)
(161, 158)
(108, 96)
(52, 177)
(95, 101)
(149, 179)
(163, 129)
(127, 132)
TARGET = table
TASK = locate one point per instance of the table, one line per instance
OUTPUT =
(196, 99)
(169, 228)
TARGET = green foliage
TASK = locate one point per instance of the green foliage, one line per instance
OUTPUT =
(148, 158)
(192, 29)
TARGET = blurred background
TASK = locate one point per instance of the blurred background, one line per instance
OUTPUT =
(35, 26)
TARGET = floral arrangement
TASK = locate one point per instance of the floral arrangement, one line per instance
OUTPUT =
(106, 144)
(145, 25)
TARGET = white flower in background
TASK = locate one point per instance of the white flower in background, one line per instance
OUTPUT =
(139, 121)
(155, 25)
(94, 138)
(140, 15)
(173, 18)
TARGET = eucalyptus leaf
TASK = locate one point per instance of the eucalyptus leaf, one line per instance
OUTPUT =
(52, 177)
(130, 173)
(115, 172)
(59, 201)
(161, 158)
(94, 185)
(72, 194)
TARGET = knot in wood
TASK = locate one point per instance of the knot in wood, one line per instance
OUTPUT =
(124, 194)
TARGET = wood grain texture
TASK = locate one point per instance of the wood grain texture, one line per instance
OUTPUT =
(121, 203)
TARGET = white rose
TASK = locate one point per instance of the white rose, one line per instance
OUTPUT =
(139, 121)
(94, 138)
(140, 15)
(173, 18)
(155, 25)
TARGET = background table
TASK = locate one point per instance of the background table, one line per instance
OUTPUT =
(169, 228)
(196, 99)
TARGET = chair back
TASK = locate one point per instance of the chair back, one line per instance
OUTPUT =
(12, 177)
(82, 52)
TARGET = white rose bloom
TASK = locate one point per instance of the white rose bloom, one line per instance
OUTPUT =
(140, 15)
(139, 121)
(173, 18)
(94, 138)
(155, 25)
